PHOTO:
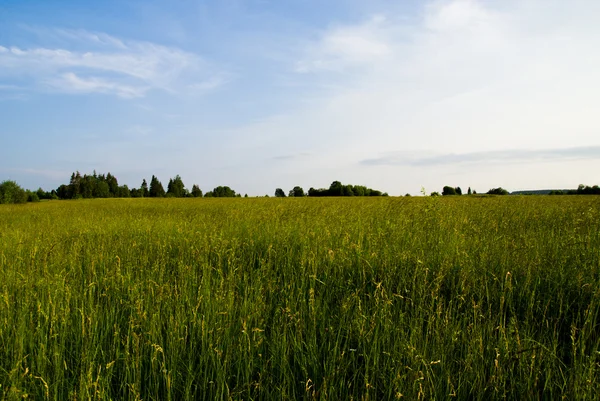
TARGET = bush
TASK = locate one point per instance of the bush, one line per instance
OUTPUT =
(32, 197)
(448, 191)
(11, 192)
(497, 191)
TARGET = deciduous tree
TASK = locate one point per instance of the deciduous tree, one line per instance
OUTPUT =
(11, 192)
(297, 192)
(448, 191)
(196, 191)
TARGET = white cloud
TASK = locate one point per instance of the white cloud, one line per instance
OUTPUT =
(107, 65)
(445, 16)
(70, 82)
(522, 156)
(84, 36)
(210, 83)
(344, 46)
(468, 77)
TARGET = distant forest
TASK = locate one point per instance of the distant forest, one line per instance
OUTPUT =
(581, 190)
(107, 186)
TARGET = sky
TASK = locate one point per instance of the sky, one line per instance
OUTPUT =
(266, 94)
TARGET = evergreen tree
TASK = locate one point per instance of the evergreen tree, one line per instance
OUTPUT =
(196, 191)
(88, 186)
(156, 188)
(176, 187)
(144, 189)
(74, 185)
(113, 184)
(102, 190)
(63, 192)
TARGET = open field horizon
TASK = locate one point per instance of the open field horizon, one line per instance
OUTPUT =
(301, 298)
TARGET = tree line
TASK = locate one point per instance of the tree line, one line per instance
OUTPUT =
(335, 189)
(96, 185)
(581, 190)
(452, 191)
(107, 186)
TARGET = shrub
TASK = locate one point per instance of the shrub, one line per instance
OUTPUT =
(32, 197)
(11, 192)
(497, 191)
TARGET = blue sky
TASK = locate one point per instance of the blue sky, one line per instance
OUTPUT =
(261, 94)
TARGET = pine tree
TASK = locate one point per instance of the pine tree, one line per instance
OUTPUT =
(156, 188)
(113, 184)
(144, 189)
(176, 187)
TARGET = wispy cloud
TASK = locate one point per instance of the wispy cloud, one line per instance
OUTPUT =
(461, 15)
(9, 87)
(107, 64)
(46, 173)
(346, 46)
(462, 76)
(289, 157)
(211, 83)
(72, 83)
(83, 36)
(501, 156)
(139, 131)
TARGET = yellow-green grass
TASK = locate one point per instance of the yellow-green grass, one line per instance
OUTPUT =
(340, 299)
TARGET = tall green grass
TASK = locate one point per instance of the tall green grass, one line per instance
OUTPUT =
(341, 299)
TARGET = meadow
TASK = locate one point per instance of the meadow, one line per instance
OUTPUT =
(466, 297)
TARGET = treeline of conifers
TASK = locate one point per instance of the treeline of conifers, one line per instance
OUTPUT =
(107, 186)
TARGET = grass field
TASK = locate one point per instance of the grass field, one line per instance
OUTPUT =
(339, 298)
